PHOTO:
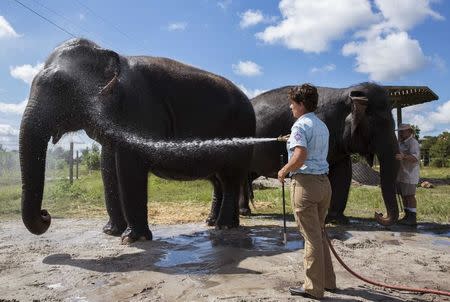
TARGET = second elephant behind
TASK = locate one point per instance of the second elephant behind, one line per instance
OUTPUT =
(360, 121)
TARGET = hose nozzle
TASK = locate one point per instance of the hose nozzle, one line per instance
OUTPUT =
(283, 138)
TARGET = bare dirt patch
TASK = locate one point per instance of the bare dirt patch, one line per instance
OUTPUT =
(75, 261)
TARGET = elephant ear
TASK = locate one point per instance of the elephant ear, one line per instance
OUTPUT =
(110, 86)
(359, 103)
(89, 64)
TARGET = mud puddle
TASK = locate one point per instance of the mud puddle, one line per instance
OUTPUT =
(75, 261)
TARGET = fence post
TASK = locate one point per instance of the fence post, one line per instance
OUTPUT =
(71, 163)
(77, 158)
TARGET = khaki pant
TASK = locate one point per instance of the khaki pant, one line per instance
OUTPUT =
(310, 197)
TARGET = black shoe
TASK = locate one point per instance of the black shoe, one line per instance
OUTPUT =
(332, 290)
(300, 291)
(410, 219)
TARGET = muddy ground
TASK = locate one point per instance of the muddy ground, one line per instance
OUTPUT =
(75, 261)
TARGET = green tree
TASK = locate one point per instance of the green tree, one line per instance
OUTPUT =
(92, 157)
(425, 146)
(416, 131)
(440, 150)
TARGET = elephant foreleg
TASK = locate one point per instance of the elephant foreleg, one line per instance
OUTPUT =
(340, 176)
(116, 224)
(132, 176)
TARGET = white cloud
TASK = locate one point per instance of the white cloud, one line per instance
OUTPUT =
(177, 26)
(387, 58)
(8, 131)
(13, 108)
(9, 137)
(382, 46)
(247, 68)
(429, 121)
(310, 25)
(405, 14)
(224, 4)
(386, 52)
(81, 17)
(250, 18)
(251, 93)
(442, 114)
(254, 17)
(325, 68)
(6, 30)
(26, 72)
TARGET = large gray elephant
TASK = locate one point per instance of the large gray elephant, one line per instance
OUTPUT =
(360, 121)
(128, 104)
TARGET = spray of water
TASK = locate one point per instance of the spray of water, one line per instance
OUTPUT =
(197, 157)
(186, 147)
(160, 145)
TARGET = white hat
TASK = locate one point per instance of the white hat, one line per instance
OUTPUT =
(404, 127)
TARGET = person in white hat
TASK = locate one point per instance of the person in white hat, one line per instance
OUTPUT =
(408, 174)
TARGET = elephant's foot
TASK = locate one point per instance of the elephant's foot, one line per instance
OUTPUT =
(337, 219)
(114, 229)
(131, 235)
(245, 211)
(225, 224)
(226, 227)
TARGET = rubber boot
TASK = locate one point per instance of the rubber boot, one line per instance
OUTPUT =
(410, 218)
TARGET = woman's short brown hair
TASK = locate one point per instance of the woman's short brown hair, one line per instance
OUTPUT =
(306, 94)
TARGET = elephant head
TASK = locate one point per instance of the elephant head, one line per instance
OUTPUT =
(369, 131)
(73, 91)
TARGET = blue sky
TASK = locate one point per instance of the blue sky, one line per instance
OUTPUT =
(259, 45)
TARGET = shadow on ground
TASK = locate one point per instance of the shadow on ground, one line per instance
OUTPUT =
(197, 252)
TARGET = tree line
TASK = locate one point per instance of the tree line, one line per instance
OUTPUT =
(57, 158)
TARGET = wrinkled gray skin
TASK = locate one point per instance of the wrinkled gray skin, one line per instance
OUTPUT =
(354, 127)
(122, 102)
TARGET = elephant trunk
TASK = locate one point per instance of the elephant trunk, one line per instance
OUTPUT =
(388, 175)
(34, 137)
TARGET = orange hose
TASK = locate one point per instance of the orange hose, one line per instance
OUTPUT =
(404, 288)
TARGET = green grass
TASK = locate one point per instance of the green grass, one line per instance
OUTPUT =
(432, 172)
(85, 198)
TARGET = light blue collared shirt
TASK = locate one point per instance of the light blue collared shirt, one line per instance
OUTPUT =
(310, 132)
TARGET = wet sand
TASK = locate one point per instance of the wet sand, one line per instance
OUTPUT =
(75, 261)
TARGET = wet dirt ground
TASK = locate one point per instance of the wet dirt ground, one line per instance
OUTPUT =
(75, 261)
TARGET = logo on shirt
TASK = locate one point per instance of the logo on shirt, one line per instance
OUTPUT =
(297, 136)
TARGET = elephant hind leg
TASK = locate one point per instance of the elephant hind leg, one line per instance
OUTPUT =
(229, 211)
(246, 195)
(340, 176)
(216, 202)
